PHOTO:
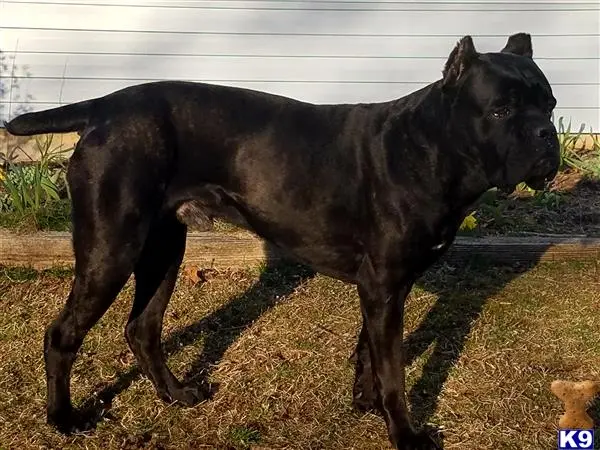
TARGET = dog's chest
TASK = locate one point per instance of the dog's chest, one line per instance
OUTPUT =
(435, 243)
(443, 245)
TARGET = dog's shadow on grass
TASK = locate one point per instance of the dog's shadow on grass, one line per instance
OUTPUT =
(447, 325)
(463, 292)
(220, 329)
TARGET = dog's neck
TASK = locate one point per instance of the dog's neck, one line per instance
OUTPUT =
(437, 133)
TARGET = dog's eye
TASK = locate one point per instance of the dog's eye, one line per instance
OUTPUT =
(501, 113)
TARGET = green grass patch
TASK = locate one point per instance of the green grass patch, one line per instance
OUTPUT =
(242, 436)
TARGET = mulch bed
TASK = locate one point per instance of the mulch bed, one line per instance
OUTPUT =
(570, 206)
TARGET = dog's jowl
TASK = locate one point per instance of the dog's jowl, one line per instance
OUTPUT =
(368, 193)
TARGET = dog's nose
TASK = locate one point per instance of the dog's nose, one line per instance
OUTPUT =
(545, 131)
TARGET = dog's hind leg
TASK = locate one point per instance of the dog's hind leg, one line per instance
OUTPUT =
(116, 191)
(96, 285)
(155, 275)
(365, 395)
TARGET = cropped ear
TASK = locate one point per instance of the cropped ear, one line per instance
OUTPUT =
(459, 61)
(519, 44)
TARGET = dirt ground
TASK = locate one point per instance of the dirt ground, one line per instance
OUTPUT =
(570, 206)
(485, 344)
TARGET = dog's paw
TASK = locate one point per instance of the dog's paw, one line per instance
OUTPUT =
(363, 402)
(419, 440)
(68, 422)
(185, 395)
(189, 396)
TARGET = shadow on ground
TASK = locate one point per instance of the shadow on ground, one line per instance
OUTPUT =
(448, 323)
(220, 330)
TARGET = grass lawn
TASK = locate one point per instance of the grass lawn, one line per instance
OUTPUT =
(485, 342)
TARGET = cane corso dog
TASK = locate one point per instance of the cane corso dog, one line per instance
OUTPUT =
(371, 194)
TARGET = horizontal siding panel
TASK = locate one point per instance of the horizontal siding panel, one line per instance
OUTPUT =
(329, 46)
(210, 68)
(277, 21)
(336, 5)
(195, 3)
(267, 69)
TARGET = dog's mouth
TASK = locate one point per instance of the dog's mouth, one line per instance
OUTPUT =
(543, 173)
(538, 183)
(507, 189)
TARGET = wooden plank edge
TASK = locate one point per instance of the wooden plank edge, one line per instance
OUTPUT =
(242, 249)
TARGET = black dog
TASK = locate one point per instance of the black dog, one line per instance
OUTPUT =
(368, 193)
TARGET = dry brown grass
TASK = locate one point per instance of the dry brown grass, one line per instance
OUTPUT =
(486, 344)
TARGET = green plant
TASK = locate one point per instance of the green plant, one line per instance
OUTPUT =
(30, 188)
(522, 187)
(551, 200)
(594, 167)
(568, 141)
(469, 223)
(593, 164)
(241, 436)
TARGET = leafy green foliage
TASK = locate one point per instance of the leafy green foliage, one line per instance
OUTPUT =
(33, 189)
(243, 437)
(569, 140)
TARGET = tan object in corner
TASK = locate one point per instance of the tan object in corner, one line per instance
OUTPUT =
(576, 398)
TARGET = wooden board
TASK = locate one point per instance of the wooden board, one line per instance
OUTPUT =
(526, 249)
(48, 249)
(241, 249)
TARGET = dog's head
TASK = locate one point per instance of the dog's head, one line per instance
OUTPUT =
(503, 103)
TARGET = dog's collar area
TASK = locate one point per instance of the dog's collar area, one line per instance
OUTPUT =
(439, 246)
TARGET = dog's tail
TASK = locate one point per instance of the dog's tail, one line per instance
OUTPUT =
(64, 119)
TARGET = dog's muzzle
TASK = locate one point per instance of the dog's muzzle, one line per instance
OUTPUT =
(539, 182)
(546, 168)
(544, 171)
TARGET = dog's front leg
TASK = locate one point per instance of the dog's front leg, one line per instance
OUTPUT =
(382, 294)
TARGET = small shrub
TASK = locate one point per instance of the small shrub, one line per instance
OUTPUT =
(593, 163)
(568, 141)
(586, 161)
(34, 190)
(550, 200)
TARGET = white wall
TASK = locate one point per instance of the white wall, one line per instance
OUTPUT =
(318, 51)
